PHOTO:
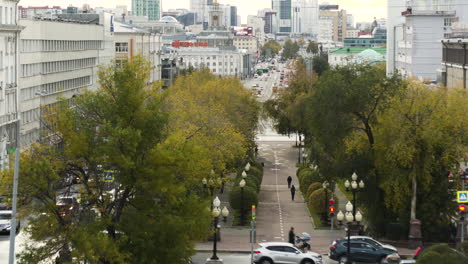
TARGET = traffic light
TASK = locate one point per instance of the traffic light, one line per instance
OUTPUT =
(331, 207)
(462, 208)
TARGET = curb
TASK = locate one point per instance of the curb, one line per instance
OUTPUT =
(224, 251)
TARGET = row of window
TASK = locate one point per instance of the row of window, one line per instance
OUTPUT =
(6, 15)
(32, 45)
(121, 47)
(30, 116)
(48, 88)
(56, 66)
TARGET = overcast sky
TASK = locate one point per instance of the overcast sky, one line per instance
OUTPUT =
(363, 10)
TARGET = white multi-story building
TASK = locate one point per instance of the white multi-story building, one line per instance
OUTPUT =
(352, 33)
(58, 59)
(9, 95)
(130, 41)
(405, 44)
(326, 29)
(258, 25)
(223, 62)
(248, 43)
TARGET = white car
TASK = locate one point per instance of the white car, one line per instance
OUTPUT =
(282, 253)
(374, 242)
(5, 222)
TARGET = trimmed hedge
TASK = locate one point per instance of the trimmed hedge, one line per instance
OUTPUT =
(441, 253)
(312, 187)
(306, 178)
(250, 198)
(316, 200)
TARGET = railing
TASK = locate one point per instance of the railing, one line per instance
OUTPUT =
(8, 118)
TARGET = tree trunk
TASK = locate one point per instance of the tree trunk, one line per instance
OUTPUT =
(413, 197)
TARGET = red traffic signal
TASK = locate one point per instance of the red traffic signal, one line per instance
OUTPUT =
(331, 210)
(331, 202)
(462, 208)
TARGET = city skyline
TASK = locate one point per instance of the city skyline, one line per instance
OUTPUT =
(362, 10)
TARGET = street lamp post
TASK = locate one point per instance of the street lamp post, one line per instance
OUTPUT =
(225, 213)
(325, 185)
(205, 182)
(304, 157)
(215, 214)
(242, 185)
(355, 187)
(349, 221)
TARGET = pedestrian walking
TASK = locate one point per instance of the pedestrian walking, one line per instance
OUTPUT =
(289, 181)
(292, 236)
(293, 191)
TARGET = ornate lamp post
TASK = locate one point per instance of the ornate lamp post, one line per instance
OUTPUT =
(215, 213)
(211, 186)
(204, 182)
(355, 187)
(349, 221)
(225, 214)
(242, 185)
(247, 166)
(325, 185)
(304, 157)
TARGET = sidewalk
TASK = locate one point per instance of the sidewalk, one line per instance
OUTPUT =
(276, 211)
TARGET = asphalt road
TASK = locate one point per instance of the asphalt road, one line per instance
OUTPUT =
(231, 258)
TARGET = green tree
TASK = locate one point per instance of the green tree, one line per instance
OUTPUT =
(149, 214)
(290, 50)
(341, 110)
(320, 64)
(270, 49)
(287, 108)
(312, 47)
(421, 138)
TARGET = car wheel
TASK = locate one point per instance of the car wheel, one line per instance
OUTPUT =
(307, 261)
(266, 261)
(383, 260)
(343, 260)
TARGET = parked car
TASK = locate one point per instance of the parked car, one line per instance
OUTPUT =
(360, 251)
(374, 242)
(282, 253)
(67, 205)
(5, 222)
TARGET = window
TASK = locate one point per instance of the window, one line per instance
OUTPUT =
(289, 249)
(121, 47)
(275, 248)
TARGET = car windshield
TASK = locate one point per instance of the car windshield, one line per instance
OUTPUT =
(372, 242)
(5, 216)
(64, 201)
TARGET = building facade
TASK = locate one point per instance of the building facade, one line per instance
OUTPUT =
(283, 21)
(338, 20)
(353, 55)
(9, 92)
(148, 8)
(58, 60)
(39, 11)
(377, 39)
(248, 43)
(454, 72)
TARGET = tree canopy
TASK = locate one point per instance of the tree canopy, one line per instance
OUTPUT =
(138, 155)
(270, 49)
(290, 50)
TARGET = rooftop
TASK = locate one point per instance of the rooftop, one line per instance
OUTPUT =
(356, 50)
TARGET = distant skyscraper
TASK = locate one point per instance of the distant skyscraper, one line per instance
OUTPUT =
(148, 8)
(284, 11)
(233, 16)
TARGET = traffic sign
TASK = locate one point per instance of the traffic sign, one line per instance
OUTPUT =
(462, 197)
(253, 212)
(109, 175)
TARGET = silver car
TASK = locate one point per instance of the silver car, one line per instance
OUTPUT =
(282, 253)
(5, 222)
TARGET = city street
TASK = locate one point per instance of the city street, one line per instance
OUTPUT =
(236, 258)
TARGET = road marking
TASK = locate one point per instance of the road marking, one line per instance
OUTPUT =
(278, 197)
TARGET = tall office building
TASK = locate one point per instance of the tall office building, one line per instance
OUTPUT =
(284, 18)
(148, 8)
(233, 16)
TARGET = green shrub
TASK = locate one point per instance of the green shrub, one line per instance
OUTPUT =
(312, 187)
(250, 198)
(306, 178)
(299, 170)
(256, 172)
(441, 253)
(463, 247)
(317, 200)
(303, 171)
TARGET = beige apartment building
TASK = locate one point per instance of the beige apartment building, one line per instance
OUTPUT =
(338, 23)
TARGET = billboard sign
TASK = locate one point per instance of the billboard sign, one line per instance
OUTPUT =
(243, 31)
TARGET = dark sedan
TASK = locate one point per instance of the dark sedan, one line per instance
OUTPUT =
(360, 251)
